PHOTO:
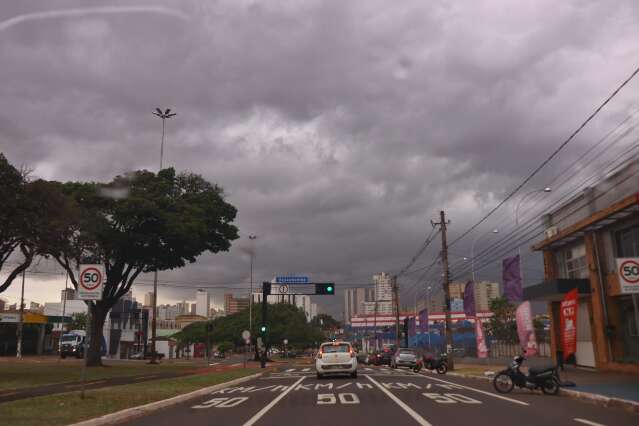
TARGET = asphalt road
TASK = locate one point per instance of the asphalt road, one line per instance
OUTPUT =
(380, 396)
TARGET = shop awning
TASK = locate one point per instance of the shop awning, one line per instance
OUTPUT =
(555, 290)
(605, 217)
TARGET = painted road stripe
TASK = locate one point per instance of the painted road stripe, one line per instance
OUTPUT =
(419, 419)
(587, 422)
(290, 370)
(271, 404)
(494, 395)
(215, 363)
(306, 369)
(235, 365)
(368, 369)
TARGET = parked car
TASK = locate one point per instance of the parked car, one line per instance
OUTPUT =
(404, 357)
(362, 357)
(218, 354)
(336, 358)
(385, 355)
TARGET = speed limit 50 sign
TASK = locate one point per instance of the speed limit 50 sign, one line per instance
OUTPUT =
(628, 271)
(90, 282)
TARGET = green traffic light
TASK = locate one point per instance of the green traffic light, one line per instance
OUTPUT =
(263, 329)
(329, 289)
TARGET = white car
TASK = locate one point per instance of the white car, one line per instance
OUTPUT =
(336, 358)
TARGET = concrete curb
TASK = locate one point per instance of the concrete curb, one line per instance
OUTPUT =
(133, 412)
(601, 400)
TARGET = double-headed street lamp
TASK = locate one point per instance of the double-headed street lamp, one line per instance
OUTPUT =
(163, 115)
(472, 250)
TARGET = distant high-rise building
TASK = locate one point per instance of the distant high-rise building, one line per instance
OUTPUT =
(2, 304)
(355, 299)
(148, 299)
(203, 303)
(457, 290)
(485, 291)
(183, 307)
(193, 309)
(70, 294)
(383, 287)
(233, 305)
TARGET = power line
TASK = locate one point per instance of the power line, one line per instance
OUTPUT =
(550, 157)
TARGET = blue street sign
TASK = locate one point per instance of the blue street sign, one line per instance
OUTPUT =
(292, 280)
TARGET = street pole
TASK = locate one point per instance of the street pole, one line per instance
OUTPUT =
(449, 331)
(252, 238)
(396, 308)
(20, 324)
(85, 348)
(163, 115)
(64, 307)
(428, 313)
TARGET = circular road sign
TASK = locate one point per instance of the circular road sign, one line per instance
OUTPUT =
(629, 271)
(286, 341)
(283, 289)
(90, 278)
(246, 335)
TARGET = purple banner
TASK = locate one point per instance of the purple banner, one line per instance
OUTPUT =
(469, 299)
(512, 280)
(423, 320)
(412, 329)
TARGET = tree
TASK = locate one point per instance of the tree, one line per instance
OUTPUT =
(30, 218)
(326, 322)
(502, 325)
(136, 224)
(78, 321)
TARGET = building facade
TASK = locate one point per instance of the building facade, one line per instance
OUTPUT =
(355, 299)
(585, 238)
(485, 292)
(233, 305)
(202, 302)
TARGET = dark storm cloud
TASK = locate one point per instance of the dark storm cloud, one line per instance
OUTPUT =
(338, 129)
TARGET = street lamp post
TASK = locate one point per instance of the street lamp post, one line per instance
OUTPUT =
(252, 238)
(427, 313)
(472, 251)
(164, 116)
(521, 200)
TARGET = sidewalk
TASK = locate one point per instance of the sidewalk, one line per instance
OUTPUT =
(613, 385)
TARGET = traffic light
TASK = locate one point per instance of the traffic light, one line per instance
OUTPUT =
(266, 288)
(325, 288)
(263, 329)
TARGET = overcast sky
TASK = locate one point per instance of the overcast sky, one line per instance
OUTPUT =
(338, 129)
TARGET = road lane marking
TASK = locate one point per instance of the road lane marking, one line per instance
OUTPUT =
(290, 370)
(419, 419)
(235, 365)
(514, 401)
(305, 370)
(271, 404)
(588, 422)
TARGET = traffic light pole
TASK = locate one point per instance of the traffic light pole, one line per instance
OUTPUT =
(265, 292)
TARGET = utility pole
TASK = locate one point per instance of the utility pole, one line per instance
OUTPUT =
(449, 331)
(396, 308)
(252, 239)
(20, 324)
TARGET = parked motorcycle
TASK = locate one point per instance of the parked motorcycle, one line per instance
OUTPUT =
(439, 364)
(546, 378)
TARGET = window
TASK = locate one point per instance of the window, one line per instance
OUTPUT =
(575, 262)
(335, 348)
(628, 242)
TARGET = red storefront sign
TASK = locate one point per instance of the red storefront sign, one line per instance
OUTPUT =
(568, 314)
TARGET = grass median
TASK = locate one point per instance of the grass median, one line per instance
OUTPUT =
(20, 375)
(67, 408)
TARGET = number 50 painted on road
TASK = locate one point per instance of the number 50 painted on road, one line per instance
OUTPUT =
(344, 398)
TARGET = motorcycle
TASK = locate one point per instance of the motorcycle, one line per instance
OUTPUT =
(439, 364)
(546, 378)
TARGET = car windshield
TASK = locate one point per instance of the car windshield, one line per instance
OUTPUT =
(407, 351)
(341, 348)
(67, 339)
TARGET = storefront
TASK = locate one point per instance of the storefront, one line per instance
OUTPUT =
(592, 243)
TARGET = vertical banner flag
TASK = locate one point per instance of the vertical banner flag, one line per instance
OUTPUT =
(482, 349)
(568, 322)
(525, 329)
(412, 326)
(512, 279)
(469, 299)
(423, 320)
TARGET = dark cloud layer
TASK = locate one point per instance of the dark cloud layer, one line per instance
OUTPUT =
(338, 129)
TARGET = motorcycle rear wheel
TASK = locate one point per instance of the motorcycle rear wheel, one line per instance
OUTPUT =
(442, 368)
(550, 387)
(503, 383)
